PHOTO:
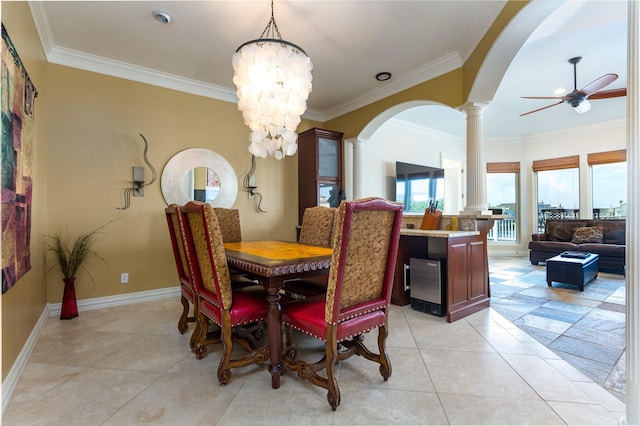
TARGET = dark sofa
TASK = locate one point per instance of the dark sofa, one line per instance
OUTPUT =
(604, 237)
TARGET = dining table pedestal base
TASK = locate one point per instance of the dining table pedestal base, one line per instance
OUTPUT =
(275, 338)
(271, 263)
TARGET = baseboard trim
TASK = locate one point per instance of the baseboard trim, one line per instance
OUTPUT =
(13, 377)
(118, 300)
(52, 309)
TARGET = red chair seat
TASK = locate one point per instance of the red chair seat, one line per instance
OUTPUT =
(357, 295)
(216, 299)
(248, 307)
(308, 317)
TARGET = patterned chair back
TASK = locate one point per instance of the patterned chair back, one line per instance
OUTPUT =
(317, 226)
(229, 221)
(211, 272)
(365, 248)
(176, 233)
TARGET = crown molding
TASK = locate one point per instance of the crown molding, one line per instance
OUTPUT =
(479, 29)
(586, 130)
(433, 69)
(425, 130)
(98, 64)
(42, 26)
(101, 65)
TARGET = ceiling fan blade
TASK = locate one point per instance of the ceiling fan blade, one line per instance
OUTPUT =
(598, 84)
(540, 109)
(543, 97)
(612, 93)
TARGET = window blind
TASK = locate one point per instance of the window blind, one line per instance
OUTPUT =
(570, 162)
(503, 167)
(608, 157)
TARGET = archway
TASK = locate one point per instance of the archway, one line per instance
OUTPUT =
(483, 89)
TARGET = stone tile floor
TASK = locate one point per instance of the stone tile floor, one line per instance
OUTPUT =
(128, 364)
(586, 329)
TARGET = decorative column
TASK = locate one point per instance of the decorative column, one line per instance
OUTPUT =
(476, 174)
(633, 217)
(357, 167)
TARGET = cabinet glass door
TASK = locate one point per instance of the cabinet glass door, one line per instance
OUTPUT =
(328, 194)
(328, 159)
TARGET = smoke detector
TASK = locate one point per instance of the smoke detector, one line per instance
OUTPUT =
(162, 16)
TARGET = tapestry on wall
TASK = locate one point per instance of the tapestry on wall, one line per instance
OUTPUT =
(18, 95)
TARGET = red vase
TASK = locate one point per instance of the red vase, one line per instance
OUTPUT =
(69, 306)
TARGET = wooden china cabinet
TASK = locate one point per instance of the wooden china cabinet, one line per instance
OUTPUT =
(319, 168)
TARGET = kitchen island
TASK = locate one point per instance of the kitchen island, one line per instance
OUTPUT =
(464, 254)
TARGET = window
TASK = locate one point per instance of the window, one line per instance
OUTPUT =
(502, 193)
(558, 183)
(609, 184)
(415, 192)
(418, 187)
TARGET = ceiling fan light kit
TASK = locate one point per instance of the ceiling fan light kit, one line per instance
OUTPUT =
(578, 99)
(583, 106)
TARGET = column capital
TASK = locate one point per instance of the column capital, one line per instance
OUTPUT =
(355, 141)
(474, 107)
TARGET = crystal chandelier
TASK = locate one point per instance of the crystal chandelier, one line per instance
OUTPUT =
(273, 81)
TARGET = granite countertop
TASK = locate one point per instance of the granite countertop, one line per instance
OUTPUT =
(437, 233)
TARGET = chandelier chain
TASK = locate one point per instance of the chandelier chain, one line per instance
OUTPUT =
(271, 30)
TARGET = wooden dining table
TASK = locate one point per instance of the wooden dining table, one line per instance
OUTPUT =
(272, 262)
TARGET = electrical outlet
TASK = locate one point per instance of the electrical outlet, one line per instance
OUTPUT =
(124, 278)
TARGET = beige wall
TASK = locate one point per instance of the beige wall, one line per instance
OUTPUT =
(23, 304)
(94, 142)
(86, 143)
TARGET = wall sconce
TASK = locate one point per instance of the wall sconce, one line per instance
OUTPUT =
(138, 181)
(249, 184)
(137, 187)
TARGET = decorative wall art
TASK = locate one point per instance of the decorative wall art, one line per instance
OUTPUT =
(18, 96)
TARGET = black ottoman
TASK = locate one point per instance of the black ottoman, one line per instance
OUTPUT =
(571, 268)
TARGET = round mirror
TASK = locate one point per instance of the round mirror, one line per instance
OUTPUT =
(199, 174)
(201, 184)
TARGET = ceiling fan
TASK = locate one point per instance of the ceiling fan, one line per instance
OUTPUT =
(578, 99)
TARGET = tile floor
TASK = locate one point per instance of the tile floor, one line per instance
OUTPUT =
(586, 328)
(129, 365)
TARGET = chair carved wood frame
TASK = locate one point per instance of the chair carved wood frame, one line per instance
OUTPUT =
(216, 301)
(358, 294)
(176, 233)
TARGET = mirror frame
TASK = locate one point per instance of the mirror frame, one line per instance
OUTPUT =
(180, 164)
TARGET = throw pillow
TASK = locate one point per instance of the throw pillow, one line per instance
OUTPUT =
(562, 230)
(587, 234)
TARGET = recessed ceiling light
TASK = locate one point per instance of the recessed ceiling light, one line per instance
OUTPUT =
(162, 16)
(383, 76)
(560, 91)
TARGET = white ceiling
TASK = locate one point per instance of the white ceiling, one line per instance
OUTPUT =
(348, 43)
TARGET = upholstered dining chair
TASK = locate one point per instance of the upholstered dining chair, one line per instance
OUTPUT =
(316, 230)
(176, 234)
(229, 221)
(317, 226)
(176, 225)
(358, 294)
(216, 300)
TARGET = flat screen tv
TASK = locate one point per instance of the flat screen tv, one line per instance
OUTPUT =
(419, 186)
